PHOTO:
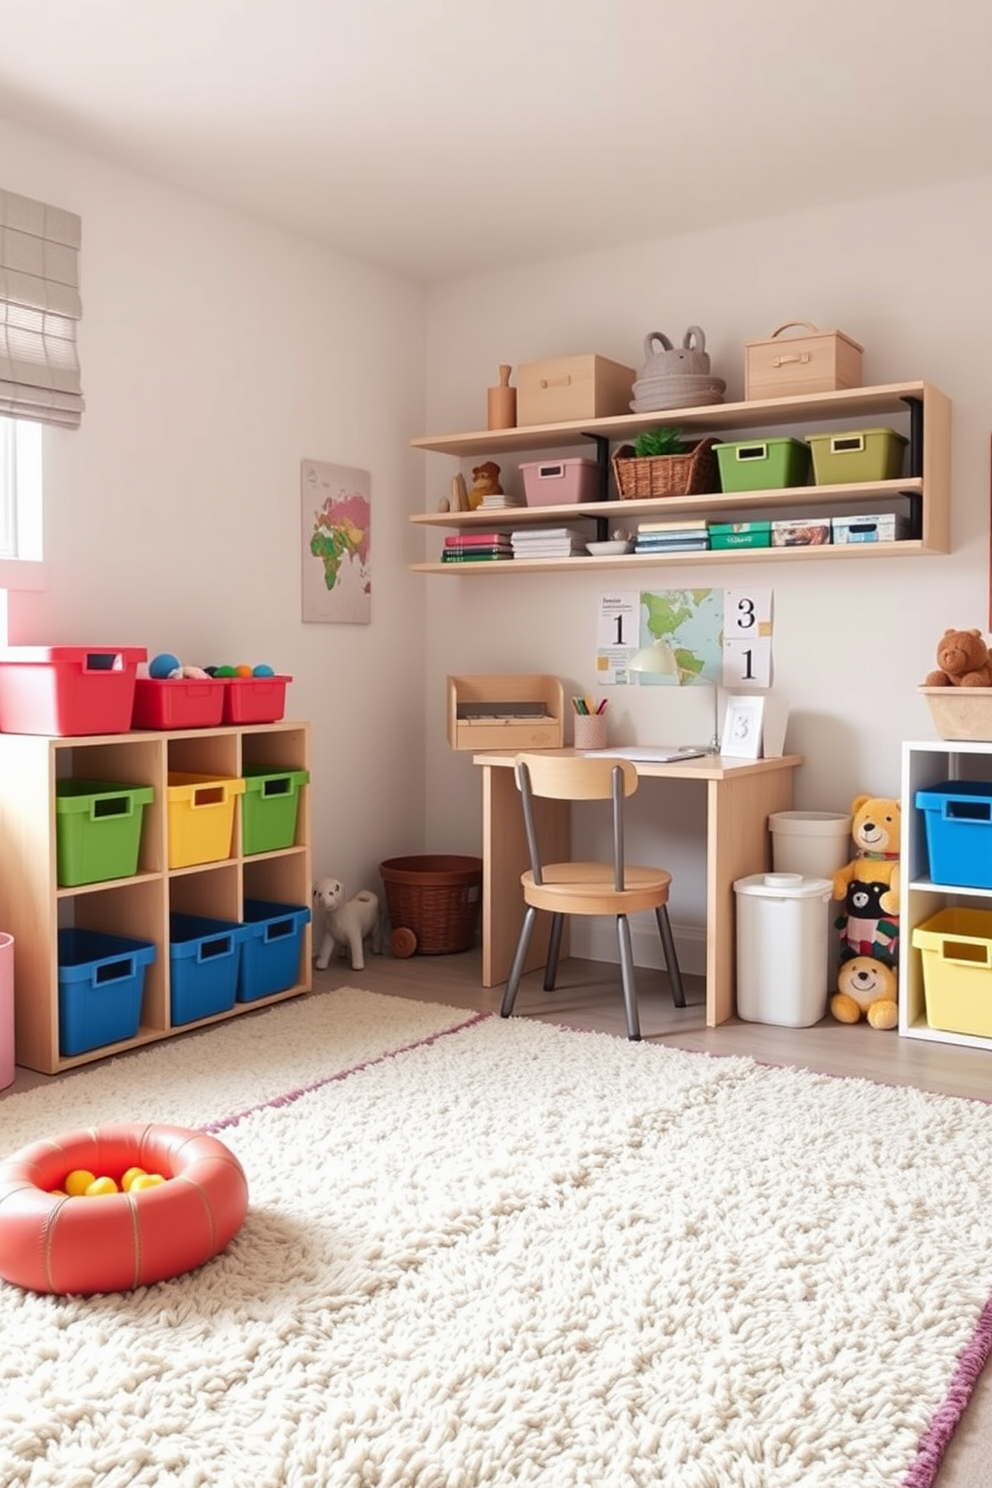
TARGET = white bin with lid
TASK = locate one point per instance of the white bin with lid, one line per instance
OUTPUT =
(782, 933)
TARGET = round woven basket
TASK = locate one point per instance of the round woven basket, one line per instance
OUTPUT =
(437, 896)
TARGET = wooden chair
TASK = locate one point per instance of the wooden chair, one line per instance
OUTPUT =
(613, 888)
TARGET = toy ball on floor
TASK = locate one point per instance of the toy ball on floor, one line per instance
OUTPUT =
(164, 665)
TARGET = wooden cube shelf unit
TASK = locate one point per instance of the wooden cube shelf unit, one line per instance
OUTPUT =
(506, 712)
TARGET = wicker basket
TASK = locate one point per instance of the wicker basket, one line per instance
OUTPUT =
(436, 897)
(694, 474)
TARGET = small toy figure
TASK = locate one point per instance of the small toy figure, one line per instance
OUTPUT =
(485, 482)
(348, 923)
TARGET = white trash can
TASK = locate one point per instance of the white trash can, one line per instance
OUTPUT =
(6, 1010)
(782, 938)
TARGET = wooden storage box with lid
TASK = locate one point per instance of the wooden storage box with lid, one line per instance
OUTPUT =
(792, 366)
(576, 387)
(506, 712)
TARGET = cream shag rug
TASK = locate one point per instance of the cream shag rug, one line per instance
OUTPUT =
(498, 1253)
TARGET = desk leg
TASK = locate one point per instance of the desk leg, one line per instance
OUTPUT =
(504, 858)
(738, 843)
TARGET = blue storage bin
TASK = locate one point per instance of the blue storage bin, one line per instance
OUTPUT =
(958, 816)
(270, 956)
(101, 984)
(204, 960)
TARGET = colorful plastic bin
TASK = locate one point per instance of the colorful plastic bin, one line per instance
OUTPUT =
(270, 955)
(270, 808)
(204, 962)
(98, 830)
(254, 699)
(101, 984)
(560, 482)
(65, 690)
(958, 817)
(177, 703)
(201, 817)
(956, 947)
(763, 464)
(865, 455)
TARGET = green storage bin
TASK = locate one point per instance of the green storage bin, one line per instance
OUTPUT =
(270, 807)
(98, 829)
(865, 455)
(740, 534)
(763, 464)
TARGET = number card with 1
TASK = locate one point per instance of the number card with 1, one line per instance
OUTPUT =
(617, 636)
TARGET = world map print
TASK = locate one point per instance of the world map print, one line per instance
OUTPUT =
(336, 530)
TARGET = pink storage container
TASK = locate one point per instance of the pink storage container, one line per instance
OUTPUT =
(560, 482)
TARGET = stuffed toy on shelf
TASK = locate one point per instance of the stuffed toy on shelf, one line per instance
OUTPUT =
(962, 661)
(868, 924)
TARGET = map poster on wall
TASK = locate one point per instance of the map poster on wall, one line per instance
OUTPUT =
(335, 507)
(724, 635)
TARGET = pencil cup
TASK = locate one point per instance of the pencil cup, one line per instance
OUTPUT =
(590, 730)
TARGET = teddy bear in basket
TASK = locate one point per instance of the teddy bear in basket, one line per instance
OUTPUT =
(347, 923)
(962, 661)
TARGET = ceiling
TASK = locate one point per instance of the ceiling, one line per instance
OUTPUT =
(442, 138)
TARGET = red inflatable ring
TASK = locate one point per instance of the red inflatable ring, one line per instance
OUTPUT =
(50, 1243)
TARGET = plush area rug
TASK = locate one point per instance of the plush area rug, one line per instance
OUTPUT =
(481, 1252)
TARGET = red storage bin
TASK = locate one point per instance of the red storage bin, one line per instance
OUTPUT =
(254, 699)
(65, 690)
(177, 703)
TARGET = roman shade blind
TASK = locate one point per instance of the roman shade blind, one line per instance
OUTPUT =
(39, 308)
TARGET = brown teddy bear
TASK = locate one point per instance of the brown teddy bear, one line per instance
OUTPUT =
(962, 661)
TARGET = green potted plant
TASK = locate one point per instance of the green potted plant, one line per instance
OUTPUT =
(662, 462)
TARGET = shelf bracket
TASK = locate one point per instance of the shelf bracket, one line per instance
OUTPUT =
(602, 444)
(914, 461)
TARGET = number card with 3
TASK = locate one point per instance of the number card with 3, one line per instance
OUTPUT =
(747, 638)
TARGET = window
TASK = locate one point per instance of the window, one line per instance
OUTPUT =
(20, 489)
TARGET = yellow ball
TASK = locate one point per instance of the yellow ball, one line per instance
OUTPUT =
(146, 1180)
(130, 1176)
(79, 1180)
(101, 1186)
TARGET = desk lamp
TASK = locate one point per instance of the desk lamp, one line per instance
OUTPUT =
(659, 660)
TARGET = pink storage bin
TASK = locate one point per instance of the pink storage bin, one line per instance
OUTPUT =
(560, 482)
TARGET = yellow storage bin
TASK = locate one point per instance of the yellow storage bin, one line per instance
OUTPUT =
(957, 970)
(201, 817)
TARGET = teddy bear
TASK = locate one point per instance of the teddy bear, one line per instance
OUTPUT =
(868, 885)
(962, 661)
(866, 987)
(485, 482)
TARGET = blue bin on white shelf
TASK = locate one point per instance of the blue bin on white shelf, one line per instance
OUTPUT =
(958, 817)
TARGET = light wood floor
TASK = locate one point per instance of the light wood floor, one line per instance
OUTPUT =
(588, 996)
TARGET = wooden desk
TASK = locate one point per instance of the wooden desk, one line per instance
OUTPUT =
(740, 795)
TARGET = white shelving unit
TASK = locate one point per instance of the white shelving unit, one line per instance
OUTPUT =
(33, 907)
(927, 763)
(922, 409)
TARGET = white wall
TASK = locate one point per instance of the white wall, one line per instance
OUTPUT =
(907, 277)
(217, 352)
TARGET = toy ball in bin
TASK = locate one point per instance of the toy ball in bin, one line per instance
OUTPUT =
(433, 902)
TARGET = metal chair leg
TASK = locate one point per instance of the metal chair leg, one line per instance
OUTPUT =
(554, 950)
(627, 977)
(519, 956)
(671, 957)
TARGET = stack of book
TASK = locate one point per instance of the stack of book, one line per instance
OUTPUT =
(497, 501)
(476, 547)
(548, 542)
(684, 535)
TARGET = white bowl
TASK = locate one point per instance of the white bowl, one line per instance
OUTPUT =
(608, 549)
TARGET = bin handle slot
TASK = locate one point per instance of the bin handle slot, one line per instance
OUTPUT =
(209, 795)
(278, 787)
(111, 806)
(103, 661)
(551, 472)
(847, 444)
(279, 929)
(973, 952)
(752, 452)
(979, 811)
(113, 971)
(220, 945)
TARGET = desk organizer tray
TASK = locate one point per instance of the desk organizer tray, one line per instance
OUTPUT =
(101, 984)
(254, 699)
(865, 455)
(98, 830)
(956, 947)
(200, 817)
(272, 949)
(204, 962)
(270, 808)
(66, 690)
(958, 819)
(763, 464)
(177, 703)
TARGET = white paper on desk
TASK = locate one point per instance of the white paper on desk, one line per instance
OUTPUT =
(654, 754)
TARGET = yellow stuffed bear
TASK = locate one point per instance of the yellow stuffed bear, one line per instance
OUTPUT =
(866, 987)
(876, 824)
